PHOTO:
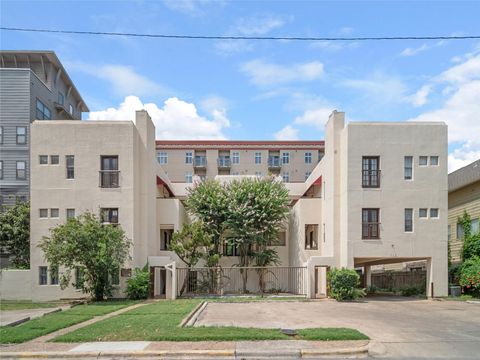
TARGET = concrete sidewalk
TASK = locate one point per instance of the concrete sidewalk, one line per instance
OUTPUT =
(15, 317)
(275, 349)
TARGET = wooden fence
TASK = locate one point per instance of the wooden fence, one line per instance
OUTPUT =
(399, 280)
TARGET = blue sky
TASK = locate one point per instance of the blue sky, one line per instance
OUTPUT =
(265, 89)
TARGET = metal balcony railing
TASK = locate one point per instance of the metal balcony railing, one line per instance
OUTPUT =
(224, 162)
(371, 178)
(274, 162)
(371, 230)
(109, 178)
(200, 162)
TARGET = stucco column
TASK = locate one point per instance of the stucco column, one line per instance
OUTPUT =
(368, 275)
(429, 277)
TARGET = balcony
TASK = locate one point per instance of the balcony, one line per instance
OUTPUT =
(109, 178)
(224, 162)
(371, 230)
(200, 162)
(370, 178)
(274, 162)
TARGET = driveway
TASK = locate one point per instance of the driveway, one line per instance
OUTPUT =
(397, 326)
(12, 317)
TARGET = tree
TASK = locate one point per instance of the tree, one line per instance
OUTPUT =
(257, 211)
(96, 249)
(15, 234)
(471, 242)
(191, 244)
(207, 202)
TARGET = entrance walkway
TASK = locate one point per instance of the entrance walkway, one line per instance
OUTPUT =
(15, 317)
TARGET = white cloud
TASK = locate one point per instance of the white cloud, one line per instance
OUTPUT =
(346, 30)
(379, 88)
(414, 51)
(177, 119)
(287, 133)
(192, 7)
(263, 73)
(463, 72)
(464, 155)
(317, 117)
(124, 80)
(420, 97)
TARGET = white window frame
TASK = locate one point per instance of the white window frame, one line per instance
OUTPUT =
(57, 210)
(285, 158)
(258, 158)
(188, 177)
(235, 157)
(425, 210)
(286, 177)
(308, 158)
(405, 167)
(307, 175)
(44, 158)
(434, 157)
(437, 216)
(43, 210)
(405, 220)
(162, 158)
(189, 157)
(57, 157)
(19, 135)
(68, 214)
(422, 157)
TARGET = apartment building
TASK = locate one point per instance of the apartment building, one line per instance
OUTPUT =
(292, 160)
(463, 195)
(34, 85)
(360, 206)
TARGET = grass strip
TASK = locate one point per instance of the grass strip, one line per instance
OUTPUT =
(22, 305)
(159, 322)
(52, 322)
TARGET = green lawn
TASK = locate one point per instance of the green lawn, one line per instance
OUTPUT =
(21, 305)
(59, 320)
(159, 322)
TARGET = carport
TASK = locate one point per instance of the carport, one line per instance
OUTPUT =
(367, 263)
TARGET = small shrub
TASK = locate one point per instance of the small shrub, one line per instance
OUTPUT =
(138, 286)
(470, 276)
(372, 289)
(411, 291)
(343, 284)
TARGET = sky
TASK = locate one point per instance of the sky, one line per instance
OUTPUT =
(264, 90)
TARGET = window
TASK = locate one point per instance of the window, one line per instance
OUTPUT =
(286, 177)
(54, 275)
(307, 175)
(115, 277)
(54, 160)
(109, 215)
(408, 168)
(54, 213)
(162, 158)
(258, 173)
(109, 174)
(308, 158)
(460, 231)
(235, 173)
(230, 249)
(1, 169)
(370, 224)
(474, 226)
(311, 237)
(61, 98)
(43, 159)
(42, 275)
(70, 109)
(408, 220)
(70, 213)
(21, 135)
(285, 158)
(188, 177)
(423, 161)
(1, 135)
(43, 112)
(43, 213)
(79, 277)
(188, 157)
(258, 158)
(235, 157)
(70, 166)
(282, 239)
(370, 172)
(434, 160)
(21, 170)
(423, 213)
(434, 213)
(165, 238)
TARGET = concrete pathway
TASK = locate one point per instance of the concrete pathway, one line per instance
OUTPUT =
(15, 317)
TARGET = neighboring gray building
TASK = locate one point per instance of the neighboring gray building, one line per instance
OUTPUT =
(33, 86)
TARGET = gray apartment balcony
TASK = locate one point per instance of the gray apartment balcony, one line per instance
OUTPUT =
(109, 178)
(274, 162)
(200, 162)
(224, 162)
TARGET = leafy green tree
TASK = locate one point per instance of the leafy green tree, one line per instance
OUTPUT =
(191, 244)
(15, 234)
(207, 202)
(470, 275)
(471, 242)
(257, 211)
(97, 249)
(138, 286)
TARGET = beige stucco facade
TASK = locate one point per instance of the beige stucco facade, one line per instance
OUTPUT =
(325, 227)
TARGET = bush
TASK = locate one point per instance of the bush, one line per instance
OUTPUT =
(470, 275)
(343, 284)
(138, 286)
(412, 291)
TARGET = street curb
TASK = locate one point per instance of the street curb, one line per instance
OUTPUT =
(17, 322)
(191, 354)
(193, 315)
